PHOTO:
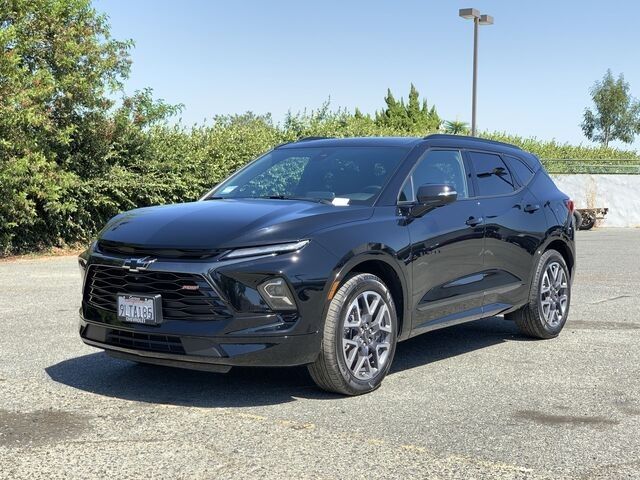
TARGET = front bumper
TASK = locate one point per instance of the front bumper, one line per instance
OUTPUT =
(202, 353)
(241, 330)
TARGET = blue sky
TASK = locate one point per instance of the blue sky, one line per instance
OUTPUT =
(537, 62)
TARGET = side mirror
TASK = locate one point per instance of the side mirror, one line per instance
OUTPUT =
(432, 196)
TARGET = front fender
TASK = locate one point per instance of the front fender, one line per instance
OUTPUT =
(375, 252)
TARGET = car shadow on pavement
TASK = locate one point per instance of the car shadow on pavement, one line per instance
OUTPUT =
(243, 387)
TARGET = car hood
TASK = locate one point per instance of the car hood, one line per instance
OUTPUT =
(227, 223)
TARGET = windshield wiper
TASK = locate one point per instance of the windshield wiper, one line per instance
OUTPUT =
(289, 197)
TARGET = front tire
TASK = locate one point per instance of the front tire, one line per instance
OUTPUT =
(359, 340)
(546, 312)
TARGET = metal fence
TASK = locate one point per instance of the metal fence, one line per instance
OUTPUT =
(614, 166)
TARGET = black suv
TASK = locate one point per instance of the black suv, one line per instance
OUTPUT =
(326, 252)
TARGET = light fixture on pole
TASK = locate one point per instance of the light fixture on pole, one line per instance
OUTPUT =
(478, 19)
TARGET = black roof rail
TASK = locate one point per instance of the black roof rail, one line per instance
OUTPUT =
(301, 139)
(307, 139)
(434, 136)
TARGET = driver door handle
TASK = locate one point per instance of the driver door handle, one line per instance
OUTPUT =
(473, 221)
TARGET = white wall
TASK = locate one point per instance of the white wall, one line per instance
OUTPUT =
(619, 193)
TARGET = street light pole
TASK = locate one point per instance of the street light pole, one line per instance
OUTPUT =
(478, 19)
(474, 94)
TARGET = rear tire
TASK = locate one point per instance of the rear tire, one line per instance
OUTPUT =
(359, 339)
(546, 312)
(588, 220)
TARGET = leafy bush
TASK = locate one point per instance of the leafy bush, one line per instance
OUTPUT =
(148, 164)
(71, 158)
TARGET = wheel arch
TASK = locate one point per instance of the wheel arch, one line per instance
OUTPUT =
(563, 249)
(385, 266)
(562, 241)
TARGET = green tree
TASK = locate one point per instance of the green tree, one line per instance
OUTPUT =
(456, 127)
(616, 114)
(414, 117)
(59, 67)
(395, 112)
(74, 150)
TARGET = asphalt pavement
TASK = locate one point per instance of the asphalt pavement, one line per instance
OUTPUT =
(472, 401)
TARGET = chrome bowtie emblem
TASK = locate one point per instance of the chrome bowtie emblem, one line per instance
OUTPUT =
(137, 264)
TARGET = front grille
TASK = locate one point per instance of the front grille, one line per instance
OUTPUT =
(180, 298)
(144, 341)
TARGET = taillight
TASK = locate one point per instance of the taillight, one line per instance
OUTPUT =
(570, 205)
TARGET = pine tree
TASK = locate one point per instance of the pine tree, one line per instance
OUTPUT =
(414, 117)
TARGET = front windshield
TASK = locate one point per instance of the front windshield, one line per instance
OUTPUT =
(341, 175)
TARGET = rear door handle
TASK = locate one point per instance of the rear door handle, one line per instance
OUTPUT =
(473, 221)
(530, 208)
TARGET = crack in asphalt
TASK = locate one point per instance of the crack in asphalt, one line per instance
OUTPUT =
(605, 300)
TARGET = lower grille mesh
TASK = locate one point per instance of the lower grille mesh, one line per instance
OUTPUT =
(144, 341)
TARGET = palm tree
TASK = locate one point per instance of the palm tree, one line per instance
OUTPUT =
(456, 127)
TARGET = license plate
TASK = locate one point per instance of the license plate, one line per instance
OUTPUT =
(145, 309)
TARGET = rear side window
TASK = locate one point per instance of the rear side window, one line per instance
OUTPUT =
(522, 171)
(492, 174)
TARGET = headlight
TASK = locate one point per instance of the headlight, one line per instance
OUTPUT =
(267, 250)
(277, 294)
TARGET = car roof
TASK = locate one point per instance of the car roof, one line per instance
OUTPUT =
(464, 141)
(434, 140)
(315, 142)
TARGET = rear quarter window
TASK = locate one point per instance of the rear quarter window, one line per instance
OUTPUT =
(521, 170)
